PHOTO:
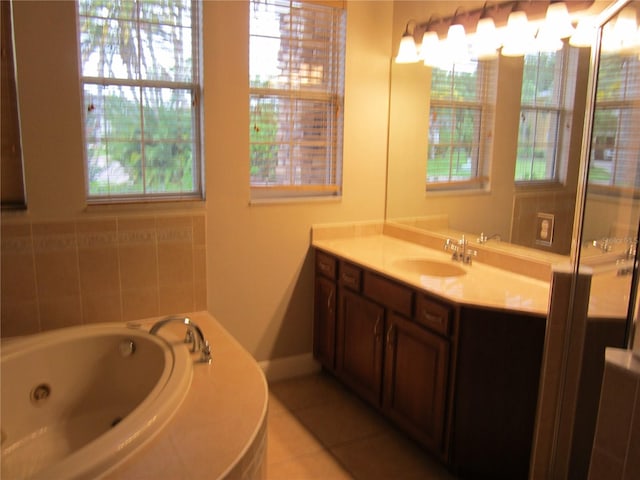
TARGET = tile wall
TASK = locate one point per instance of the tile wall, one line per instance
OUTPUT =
(616, 447)
(58, 274)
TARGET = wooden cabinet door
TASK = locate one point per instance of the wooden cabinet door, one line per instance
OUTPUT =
(416, 370)
(359, 345)
(324, 324)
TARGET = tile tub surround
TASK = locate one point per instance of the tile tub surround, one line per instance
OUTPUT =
(220, 430)
(616, 447)
(101, 269)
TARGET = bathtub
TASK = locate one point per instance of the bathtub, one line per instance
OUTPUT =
(77, 402)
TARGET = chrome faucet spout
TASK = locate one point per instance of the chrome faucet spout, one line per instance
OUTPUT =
(194, 335)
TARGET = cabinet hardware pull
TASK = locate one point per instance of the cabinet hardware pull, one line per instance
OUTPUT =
(348, 278)
(389, 336)
(431, 317)
(375, 327)
(329, 299)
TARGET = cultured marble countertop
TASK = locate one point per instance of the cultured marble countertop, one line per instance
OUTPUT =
(219, 431)
(482, 285)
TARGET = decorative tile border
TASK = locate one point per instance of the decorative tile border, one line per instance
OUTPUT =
(66, 243)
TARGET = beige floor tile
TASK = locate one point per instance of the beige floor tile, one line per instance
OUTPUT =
(389, 456)
(315, 466)
(341, 420)
(319, 430)
(287, 438)
(308, 391)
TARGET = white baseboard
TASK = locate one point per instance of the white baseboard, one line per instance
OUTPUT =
(289, 367)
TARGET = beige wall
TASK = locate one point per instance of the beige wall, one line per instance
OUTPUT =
(258, 264)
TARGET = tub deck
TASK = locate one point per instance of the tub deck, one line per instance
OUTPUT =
(220, 429)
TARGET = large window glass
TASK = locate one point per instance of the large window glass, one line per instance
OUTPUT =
(461, 121)
(615, 152)
(296, 73)
(546, 107)
(140, 79)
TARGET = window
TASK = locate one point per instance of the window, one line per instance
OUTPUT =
(546, 106)
(140, 75)
(615, 149)
(296, 73)
(461, 121)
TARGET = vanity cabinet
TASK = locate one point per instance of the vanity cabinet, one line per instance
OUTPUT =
(461, 380)
(359, 345)
(415, 381)
(324, 324)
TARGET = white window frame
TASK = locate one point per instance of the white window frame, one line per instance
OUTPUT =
(194, 89)
(294, 174)
(483, 144)
(623, 149)
(562, 108)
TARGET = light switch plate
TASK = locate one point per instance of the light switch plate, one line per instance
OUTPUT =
(545, 223)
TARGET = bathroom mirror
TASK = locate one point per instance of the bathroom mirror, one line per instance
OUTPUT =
(614, 176)
(513, 210)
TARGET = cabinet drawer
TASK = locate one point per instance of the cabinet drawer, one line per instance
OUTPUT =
(325, 265)
(433, 314)
(390, 294)
(350, 276)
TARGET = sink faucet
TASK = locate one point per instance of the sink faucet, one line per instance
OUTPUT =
(194, 336)
(483, 238)
(461, 251)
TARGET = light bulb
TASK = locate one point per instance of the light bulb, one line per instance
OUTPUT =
(456, 45)
(518, 35)
(558, 20)
(548, 40)
(585, 33)
(407, 52)
(431, 49)
(486, 42)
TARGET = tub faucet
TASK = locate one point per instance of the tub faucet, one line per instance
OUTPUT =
(194, 336)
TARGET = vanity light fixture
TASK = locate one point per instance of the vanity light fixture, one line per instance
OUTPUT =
(431, 50)
(519, 37)
(486, 41)
(556, 26)
(408, 52)
(509, 26)
(456, 45)
(585, 32)
(558, 20)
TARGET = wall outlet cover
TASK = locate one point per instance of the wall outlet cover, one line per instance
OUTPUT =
(544, 228)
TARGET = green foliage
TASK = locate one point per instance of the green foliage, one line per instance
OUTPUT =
(161, 161)
(263, 132)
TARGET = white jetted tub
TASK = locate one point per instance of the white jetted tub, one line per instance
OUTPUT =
(78, 401)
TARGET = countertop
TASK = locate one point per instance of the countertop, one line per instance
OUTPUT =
(482, 285)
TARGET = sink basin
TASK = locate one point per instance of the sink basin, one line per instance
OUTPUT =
(433, 268)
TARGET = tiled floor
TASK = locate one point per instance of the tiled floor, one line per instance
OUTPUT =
(319, 430)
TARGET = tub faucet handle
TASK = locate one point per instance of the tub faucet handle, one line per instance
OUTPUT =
(194, 336)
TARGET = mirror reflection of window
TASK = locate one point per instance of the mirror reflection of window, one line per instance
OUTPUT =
(615, 153)
(463, 99)
(546, 108)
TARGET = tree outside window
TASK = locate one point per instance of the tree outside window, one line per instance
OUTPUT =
(140, 80)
